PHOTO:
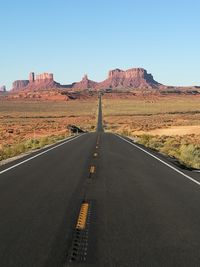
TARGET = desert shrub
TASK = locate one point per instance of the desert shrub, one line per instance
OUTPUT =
(156, 143)
(11, 151)
(170, 147)
(31, 144)
(60, 137)
(44, 141)
(145, 139)
(190, 155)
(174, 146)
(125, 132)
(151, 142)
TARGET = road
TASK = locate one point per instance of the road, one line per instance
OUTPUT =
(98, 200)
(100, 119)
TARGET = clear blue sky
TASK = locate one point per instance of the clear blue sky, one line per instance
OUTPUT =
(74, 37)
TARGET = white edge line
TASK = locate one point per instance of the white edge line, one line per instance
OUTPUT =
(41, 153)
(162, 161)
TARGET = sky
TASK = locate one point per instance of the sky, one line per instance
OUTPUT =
(71, 38)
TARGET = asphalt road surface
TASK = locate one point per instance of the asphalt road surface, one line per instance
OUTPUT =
(98, 200)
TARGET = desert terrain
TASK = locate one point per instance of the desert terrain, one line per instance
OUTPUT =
(26, 125)
(169, 124)
(38, 111)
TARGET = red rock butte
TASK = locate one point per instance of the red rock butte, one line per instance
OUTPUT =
(40, 81)
(132, 78)
(135, 78)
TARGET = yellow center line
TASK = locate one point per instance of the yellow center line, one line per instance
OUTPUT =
(92, 169)
(81, 223)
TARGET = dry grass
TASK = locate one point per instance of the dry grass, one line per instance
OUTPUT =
(185, 148)
(47, 109)
(151, 106)
(144, 115)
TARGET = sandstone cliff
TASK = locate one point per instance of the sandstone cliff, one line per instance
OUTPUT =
(20, 84)
(42, 81)
(132, 78)
(44, 87)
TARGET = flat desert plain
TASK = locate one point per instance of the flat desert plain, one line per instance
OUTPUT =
(156, 115)
(31, 124)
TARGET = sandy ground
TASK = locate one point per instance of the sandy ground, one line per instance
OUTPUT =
(174, 130)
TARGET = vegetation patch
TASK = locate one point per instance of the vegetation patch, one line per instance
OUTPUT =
(186, 149)
(28, 145)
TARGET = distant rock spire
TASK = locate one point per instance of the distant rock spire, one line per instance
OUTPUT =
(31, 77)
(3, 88)
(85, 77)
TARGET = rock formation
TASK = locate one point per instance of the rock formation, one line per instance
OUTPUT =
(3, 89)
(44, 87)
(20, 84)
(31, 77)
(132, 78)
(85, 83)
(41, 81)
(42, 77)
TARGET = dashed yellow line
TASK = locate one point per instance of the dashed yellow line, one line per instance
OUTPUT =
(92, 169)
(81, 223)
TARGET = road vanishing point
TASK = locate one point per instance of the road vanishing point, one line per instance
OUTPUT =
(98, 199)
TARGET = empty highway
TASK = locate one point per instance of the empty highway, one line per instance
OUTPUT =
(98, 199)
